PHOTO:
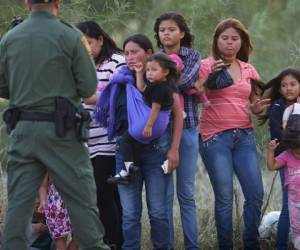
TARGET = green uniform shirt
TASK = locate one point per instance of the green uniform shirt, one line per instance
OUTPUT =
(43, 58)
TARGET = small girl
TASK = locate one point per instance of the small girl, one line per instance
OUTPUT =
(290, 160)
(57, 217)
(161, 76)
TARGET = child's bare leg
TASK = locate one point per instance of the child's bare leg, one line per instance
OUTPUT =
(61, 243)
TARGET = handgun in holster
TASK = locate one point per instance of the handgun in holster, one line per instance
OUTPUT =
(11, 118)
(65, 116)
(83, 123)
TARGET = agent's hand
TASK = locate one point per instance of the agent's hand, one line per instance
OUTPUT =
(219, 65)
(147, 132)
(273, 144)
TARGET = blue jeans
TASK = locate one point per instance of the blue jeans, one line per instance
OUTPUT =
(156, 185)
(185, 186)
(283, 227)
(228, 152)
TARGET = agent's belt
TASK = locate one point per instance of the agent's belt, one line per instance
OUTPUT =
(36, 116)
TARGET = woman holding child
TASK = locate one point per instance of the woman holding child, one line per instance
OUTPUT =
(227, 143)
(137, 48)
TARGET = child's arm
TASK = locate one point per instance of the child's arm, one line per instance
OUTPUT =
(43, 194)
(140, 83)
(147, 132)
(271, 162)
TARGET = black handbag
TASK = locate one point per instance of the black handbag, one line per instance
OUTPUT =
(219, 79)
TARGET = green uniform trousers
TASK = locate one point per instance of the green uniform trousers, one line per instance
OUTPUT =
(35, 150)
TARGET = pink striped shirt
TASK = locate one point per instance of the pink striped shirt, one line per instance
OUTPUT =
(229, 107)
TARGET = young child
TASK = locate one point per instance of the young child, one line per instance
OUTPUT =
(290, 160)
(161, 78)
(57, 217)
(191, 91)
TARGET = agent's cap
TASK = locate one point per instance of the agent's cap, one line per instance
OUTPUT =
(41, 1)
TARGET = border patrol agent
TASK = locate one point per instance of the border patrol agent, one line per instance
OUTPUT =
(45, 69)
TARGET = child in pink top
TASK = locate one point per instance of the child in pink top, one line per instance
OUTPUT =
(290, 160)
(192, 91)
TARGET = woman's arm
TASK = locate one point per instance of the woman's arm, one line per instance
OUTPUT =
(139, 72)
(173, 152)
(140, 83)
(190, 72)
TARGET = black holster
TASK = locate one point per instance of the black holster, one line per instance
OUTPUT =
(83, 124)
(64, 116)
(11, 118)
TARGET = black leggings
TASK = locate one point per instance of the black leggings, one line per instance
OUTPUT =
(108, 200)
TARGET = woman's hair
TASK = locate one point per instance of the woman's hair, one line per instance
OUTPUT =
(141, 40)
(246, 47)
(291, 134)
(93, 30)
(187, 40)
(167, 64)
(257, 86)
(272, 89)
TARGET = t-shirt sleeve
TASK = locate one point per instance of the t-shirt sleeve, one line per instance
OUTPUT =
(282, 158)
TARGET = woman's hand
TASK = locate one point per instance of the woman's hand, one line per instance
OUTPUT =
(173, 159)
(219, 65)
(259, 105)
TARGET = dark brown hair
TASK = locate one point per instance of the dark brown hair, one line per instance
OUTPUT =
(93, 30)
(166, 63)
(246, 46)
(187, 40)
(272, 89)
(291, 134)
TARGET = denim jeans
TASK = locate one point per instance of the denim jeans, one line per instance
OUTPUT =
(228, 152)
(185, 187)
(156, 185)
(283, 227)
